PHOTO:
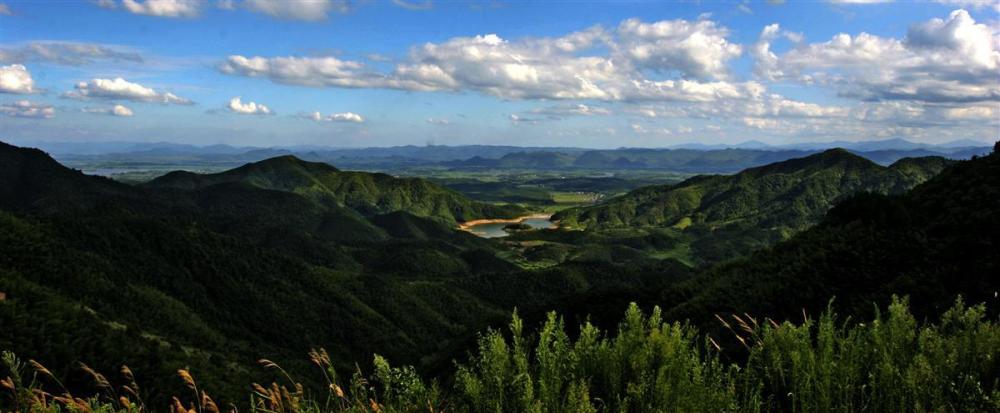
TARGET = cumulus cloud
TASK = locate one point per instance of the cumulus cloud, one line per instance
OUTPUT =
(65, 53)
(414, 5)
(516, 119)
(762, 106)
(116, 110)
(119, 88)
(162, 8)
(698, 49)
(16, 79)
(26, 109)
(349, 117)
(303, 71)
(941, 60)
(972, 4)
(312, 10)
(973, 112)
(562, 111)
(859, 1)
(566, 67)
(249, 108)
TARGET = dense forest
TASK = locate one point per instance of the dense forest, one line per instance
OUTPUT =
(207, 273)
(721, 216)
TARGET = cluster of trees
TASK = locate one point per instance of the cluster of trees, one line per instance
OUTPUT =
(889, 364)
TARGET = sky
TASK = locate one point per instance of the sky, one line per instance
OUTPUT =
(529, 73)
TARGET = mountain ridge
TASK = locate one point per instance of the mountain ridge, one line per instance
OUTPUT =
(755, 207)
(367, 193)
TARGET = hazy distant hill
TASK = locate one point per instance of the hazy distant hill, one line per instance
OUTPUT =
(367, 193)
(688, 158)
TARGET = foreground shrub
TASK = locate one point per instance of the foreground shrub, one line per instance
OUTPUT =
(891, 364)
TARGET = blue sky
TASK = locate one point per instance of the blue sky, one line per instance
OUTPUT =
(546, 73)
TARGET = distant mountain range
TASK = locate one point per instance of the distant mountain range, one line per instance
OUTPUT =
(106, 158)
(444, 152)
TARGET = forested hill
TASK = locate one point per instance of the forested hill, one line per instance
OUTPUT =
(366, 193)
(937, 241)
(30, 179)
(783, 196)
(213, 278)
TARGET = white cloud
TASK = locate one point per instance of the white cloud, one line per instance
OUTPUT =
(762, 106)
(249, 108)
(303, 71)
(414, 5)
(164, 8)
(5, 10)
(974, 112)
(762, 123)
(516, 119)
(561, 111)
(119, 88)
(16, 79)
(682, 54)
(225, 4)
(26, 109)
(972, 4)
(941, 60)
(436, 121)
(349, 117)
(859, 1)
(66, 53)
(697, 49)
(311, 10)
(116, 110)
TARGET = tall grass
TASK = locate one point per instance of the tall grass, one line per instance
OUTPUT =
(891, 364)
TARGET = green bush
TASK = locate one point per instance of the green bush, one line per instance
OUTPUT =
(892, 364)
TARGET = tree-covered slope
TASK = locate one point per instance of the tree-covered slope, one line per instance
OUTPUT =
(790, 194)
(366, 193)
(936, 241)
(30, 179)
(216, 276)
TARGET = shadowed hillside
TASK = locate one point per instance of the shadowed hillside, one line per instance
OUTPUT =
(936, 241)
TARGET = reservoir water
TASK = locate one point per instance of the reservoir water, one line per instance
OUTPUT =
(495, 230)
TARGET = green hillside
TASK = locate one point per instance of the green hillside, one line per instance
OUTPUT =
(366, 193)
(720, 215)
(216, 276)
(791, 194)
(936, 241)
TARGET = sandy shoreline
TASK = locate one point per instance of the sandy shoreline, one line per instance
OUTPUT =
(469, 224)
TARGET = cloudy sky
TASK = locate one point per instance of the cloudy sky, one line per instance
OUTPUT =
(533, 73)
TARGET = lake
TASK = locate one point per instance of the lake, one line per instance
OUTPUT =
(495, 230)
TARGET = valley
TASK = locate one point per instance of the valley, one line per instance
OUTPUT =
(364, 263)
(424, 206)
